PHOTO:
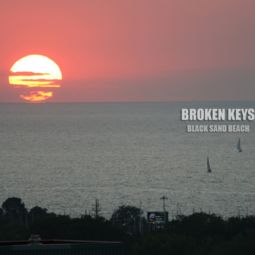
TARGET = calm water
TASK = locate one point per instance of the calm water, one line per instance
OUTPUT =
(63, 156)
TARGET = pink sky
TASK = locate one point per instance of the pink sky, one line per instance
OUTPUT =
(125, 50)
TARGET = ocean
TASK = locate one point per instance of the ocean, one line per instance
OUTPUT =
(63, 156)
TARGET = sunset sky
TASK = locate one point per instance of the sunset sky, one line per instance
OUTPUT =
(134, 50)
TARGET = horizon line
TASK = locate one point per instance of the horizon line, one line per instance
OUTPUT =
(134, 101)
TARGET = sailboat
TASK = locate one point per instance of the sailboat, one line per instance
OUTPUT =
(209, 170)
(238, 146)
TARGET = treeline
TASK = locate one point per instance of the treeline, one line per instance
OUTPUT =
(200, 234)
(196, 234)
(18, 223)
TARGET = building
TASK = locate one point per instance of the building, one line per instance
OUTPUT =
(36, 246)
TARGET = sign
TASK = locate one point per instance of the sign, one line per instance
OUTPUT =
(157, 217)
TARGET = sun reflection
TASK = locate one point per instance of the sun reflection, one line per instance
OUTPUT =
(37, 96)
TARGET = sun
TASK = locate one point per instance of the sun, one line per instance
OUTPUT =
(36, 76)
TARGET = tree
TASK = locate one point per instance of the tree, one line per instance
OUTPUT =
(15, 210)
(37, 213)
(128, 217)
(14, 206)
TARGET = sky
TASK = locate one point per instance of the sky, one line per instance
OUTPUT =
(134, 50)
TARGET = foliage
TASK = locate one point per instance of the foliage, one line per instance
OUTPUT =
(196, 234)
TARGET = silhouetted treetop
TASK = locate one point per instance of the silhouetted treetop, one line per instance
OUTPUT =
(13, 205)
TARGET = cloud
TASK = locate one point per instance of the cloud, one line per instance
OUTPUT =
(27, 73)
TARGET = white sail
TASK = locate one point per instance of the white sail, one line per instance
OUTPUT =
(209, 170)
(238, 146)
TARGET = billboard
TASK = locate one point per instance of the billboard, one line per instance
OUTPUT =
(157, 217)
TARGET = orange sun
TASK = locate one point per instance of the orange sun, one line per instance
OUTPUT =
(37, 76)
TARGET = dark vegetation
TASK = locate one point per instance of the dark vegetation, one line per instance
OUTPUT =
(199, 233)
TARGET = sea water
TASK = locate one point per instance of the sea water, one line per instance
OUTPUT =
(64, 156)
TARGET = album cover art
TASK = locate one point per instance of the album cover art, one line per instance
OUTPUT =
(127, 127)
